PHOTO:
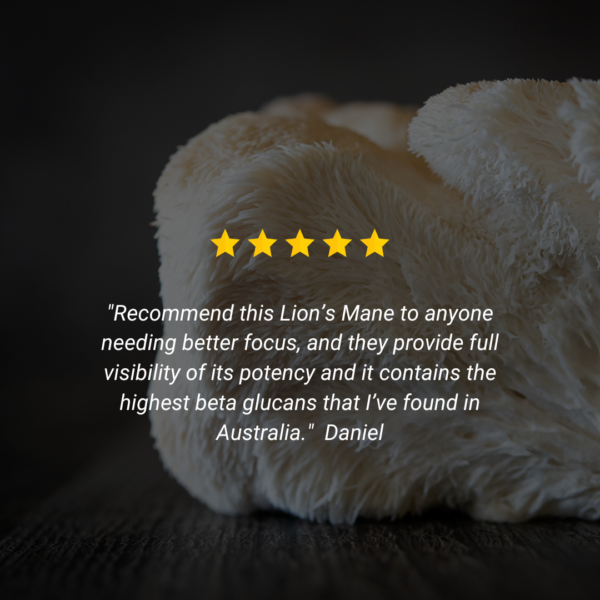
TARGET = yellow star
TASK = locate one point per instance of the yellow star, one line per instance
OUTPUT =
(374, 244)
(337, 244)
(262, 244)
(225, 244)
(299, 244)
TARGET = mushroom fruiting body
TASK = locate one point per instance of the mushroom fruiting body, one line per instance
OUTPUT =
(488, 198)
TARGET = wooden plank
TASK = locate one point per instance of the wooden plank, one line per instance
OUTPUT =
(123, 528)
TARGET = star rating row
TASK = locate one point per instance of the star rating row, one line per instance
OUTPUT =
(262, 244)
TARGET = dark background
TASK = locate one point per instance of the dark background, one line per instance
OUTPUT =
(94, 102)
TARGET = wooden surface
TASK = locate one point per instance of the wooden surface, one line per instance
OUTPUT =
(120, 527)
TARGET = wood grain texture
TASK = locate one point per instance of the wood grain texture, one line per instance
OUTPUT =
(122, 528)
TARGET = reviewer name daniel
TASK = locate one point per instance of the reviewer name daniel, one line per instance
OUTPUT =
(334, 432)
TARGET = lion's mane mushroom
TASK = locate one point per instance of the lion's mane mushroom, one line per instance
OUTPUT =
(488, 198)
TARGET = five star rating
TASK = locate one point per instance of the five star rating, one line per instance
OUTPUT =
(262, 244)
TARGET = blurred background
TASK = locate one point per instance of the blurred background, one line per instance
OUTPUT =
(94, 102)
